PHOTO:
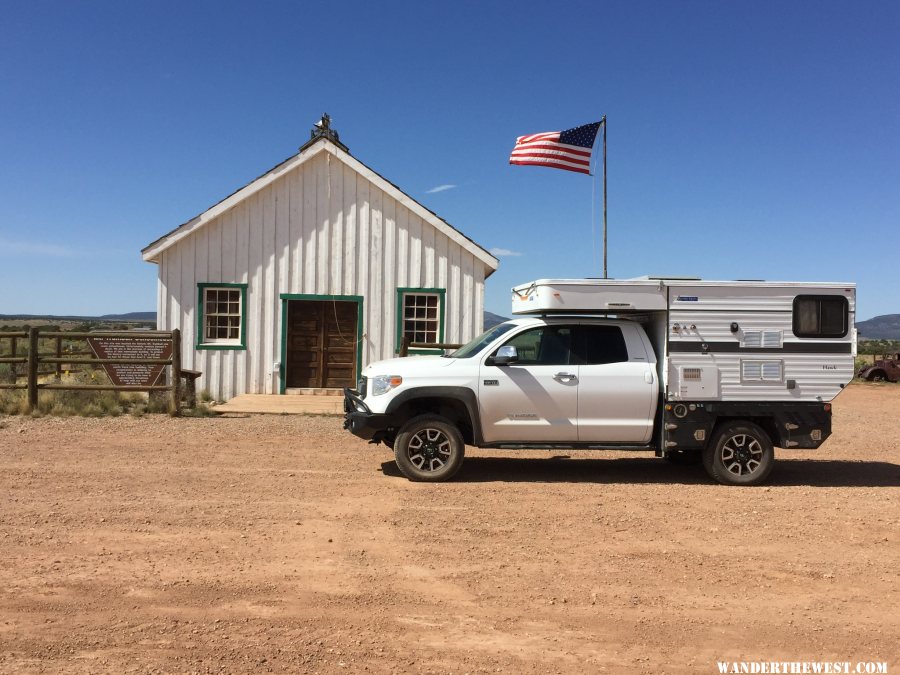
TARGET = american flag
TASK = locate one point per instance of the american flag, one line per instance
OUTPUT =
(570, 149)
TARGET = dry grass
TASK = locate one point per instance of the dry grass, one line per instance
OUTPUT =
(81, 403)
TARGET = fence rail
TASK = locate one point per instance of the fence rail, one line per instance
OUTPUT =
(34, 359)
(406, 345)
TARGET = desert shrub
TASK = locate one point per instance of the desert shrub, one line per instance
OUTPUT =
(204, 396)
(879, 347)
(200, 410)
(157, 403)
(80, 403)
(12, 402)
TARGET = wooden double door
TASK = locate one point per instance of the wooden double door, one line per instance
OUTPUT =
(321, 343)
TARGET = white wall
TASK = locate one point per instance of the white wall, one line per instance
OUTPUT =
(320, 229)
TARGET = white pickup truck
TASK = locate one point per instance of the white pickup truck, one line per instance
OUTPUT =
(721, 391)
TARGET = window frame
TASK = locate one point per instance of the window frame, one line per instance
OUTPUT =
(571, 356)
(818, 334)
(401, 294)
(220, 343)
(581, 339)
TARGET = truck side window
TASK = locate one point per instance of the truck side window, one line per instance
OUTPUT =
(820, 316)
(600, 344)
(544, 346)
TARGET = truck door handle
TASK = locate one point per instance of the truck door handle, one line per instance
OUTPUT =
(565, 377)
(648, 377)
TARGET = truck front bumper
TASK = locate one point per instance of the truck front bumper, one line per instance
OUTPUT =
(362, 422)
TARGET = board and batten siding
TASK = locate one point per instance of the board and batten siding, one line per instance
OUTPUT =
(320, 229)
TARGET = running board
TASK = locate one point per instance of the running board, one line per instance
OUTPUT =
(570, 446)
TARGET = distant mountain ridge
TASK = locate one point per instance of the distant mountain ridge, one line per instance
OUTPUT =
(130, 316)
(883, 327)
(491, 320)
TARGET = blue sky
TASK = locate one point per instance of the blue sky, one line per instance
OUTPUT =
(746, 140)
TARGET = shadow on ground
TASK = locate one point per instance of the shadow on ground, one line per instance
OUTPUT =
(561, 469)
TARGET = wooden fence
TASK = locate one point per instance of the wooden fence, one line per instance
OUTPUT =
(34, 359)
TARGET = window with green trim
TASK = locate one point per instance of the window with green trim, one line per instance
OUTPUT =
(420, 316)
(222, 312)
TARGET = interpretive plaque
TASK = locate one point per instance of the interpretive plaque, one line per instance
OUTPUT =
(132, 374)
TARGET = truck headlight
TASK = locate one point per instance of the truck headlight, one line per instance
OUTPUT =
(382, 384)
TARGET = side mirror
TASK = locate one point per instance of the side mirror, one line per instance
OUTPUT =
(506, 355)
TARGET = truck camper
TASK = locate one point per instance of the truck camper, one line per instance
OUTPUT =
(718, 372)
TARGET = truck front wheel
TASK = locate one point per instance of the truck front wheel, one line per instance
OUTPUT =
(740, 453)
(429, 448)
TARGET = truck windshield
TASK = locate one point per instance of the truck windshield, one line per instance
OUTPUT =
(481, 341)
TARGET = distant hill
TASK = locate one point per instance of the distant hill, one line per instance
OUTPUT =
(491, 320)
(884, 327)
(131, 316)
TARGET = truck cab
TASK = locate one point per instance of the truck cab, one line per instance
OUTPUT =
(528, 382)
(534, 382)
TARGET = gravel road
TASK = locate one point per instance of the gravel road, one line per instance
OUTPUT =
(283, 544)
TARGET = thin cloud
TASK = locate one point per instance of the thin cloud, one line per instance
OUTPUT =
(504, 253)
(440, 188)
(8, 247)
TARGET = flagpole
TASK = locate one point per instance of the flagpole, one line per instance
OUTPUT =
(603, 122)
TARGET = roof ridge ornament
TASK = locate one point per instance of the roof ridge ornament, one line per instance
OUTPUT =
(322, 129)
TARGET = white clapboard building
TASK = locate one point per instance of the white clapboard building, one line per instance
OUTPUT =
(315, 269)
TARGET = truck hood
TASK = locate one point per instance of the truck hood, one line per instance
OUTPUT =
(411, 365)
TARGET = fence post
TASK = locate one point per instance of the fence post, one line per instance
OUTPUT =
(32, 369)
(14, 367)
(404, 346)
(59, 356)
(175, 403)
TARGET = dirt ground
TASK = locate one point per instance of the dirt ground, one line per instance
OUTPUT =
(282, 544)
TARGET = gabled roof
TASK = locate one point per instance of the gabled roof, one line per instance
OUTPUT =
(152, 252)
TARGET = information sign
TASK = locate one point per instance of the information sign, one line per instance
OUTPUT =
(132, 374)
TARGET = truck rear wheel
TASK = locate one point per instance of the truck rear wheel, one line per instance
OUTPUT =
(740, 453)
(429, 448)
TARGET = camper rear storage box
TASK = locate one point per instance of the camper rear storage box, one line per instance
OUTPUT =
(588, 295)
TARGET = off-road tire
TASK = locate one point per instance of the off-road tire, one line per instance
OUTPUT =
(740, 453)
(429, 448)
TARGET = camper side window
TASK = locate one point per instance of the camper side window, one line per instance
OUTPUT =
(821, 316)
